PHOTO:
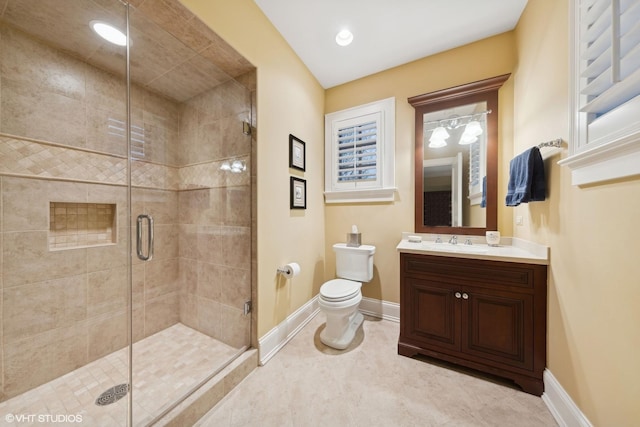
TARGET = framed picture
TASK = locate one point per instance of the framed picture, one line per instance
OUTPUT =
(298, 191)
(297, 154)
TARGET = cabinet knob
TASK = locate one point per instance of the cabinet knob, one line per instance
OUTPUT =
(458, 295)
(465, 296)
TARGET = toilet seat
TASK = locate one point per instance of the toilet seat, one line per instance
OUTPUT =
(337, 290)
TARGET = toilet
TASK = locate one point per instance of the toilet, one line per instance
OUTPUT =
(339, 298)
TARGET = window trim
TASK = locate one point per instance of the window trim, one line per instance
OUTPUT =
(617, 155)
(338, 192)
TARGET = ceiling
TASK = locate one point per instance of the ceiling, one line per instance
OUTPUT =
(386, 33)
(172, 52)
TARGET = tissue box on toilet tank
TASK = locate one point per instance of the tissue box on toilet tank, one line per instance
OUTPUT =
(354, 239)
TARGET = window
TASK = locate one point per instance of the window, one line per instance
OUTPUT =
(359, 153)
(606, 90)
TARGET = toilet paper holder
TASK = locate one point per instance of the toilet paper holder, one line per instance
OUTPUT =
(284, 270)
(290, 270)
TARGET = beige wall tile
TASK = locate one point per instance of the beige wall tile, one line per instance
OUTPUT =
(35, 360)
(235, 286)
(236, 247)
(160, 313)
(210, 280)
(235, 327)
(188, 280)
(107, 91)
(26, 204)
(28, 260)
(29, 62)
(39, 307)
(137, 272)
(100, 136)
(161, 278)
(106, 335)
(161, 205)
(165, 242)
(188, 241)
(209, 317)
(237, 206)
(233, 142)
(109, 256)
(138, 323)
(107, 291)
(210, 245)
(36, 113)
(189, 310)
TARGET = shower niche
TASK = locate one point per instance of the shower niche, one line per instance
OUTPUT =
(81, 225)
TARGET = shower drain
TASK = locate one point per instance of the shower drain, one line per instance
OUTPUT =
(112, 395)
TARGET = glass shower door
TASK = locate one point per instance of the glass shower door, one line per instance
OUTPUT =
(64, 225)
(190, 168)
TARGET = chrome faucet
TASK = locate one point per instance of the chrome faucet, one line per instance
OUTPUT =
(468, 241)
(438, 239)
(453, 240)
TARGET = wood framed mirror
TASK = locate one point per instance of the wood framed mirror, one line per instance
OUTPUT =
(456, 158)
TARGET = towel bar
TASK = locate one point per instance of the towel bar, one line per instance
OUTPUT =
(555, 143)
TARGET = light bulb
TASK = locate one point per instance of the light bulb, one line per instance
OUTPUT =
(344, 37)
(109, 33)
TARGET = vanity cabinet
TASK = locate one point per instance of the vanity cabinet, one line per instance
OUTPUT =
(483, 314)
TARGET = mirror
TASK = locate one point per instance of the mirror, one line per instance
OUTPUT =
(456, 156)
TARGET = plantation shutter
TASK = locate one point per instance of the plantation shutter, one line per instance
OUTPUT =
(609, 58)
(358, 153)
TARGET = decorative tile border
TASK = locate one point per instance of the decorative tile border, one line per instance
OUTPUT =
(21, 157)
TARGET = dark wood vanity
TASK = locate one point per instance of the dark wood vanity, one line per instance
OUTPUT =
(482, 314)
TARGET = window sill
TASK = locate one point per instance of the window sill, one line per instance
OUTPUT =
(617, 159)
(361, 196)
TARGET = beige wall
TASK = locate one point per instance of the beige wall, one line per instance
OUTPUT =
(594, 326)
(594, 321)
(382, 224)
(290, 100)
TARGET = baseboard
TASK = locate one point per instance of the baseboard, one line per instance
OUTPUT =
(280, 335)
(378, 308)
(560, 404)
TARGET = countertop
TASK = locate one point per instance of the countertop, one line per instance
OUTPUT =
(510, 249)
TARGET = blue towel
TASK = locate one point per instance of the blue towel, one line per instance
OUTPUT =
(526, 178)
(483, 203)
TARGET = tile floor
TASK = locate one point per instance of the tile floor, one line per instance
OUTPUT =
(368, 384)
(166, 366)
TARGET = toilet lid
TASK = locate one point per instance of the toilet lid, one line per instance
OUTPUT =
(339, 289)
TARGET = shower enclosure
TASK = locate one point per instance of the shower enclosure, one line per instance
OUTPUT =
(126, 205)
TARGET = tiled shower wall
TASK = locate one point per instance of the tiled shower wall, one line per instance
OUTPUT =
(61, 309)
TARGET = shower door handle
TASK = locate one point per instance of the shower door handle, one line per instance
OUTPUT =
(139, 251)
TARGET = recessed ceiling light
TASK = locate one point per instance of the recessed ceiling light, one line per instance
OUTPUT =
(109, 33)
(344, 37)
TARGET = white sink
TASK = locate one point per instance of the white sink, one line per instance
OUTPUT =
(459, 248)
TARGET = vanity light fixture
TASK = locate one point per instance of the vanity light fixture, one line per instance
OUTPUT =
(438, 137)
(344, 37)
(471, 132)
(109, 33)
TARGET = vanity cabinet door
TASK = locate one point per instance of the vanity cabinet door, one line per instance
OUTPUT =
(486, 315)
(498, 327)
(433, 314)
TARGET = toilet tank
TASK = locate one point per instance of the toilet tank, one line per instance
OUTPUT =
(354, 263)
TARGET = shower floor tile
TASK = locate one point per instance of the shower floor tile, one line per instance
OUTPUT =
(166, 366)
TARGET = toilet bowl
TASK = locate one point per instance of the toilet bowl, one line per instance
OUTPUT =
(339, 298)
